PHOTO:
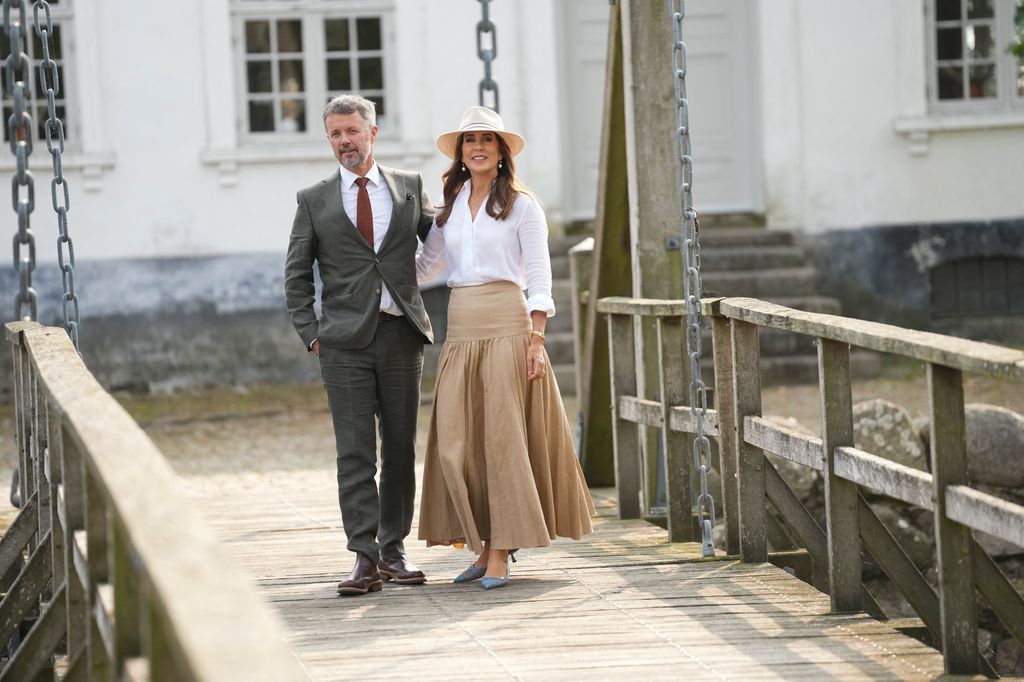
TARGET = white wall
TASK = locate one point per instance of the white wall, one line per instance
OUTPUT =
(161, 174)
(837, 78)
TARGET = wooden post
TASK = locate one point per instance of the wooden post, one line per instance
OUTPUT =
(952, 540)
(127, 625)
(675, 444)
(74, 519)
(96, 532)
(746, 361)
(842, 527)
(655, 218)
(728, 448)
(626, 433)
(611, 273)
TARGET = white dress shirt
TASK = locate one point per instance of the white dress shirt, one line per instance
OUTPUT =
(488, 250)
(382, 205)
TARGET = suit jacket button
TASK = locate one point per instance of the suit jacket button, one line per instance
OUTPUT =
(377, 291)
(376, 260)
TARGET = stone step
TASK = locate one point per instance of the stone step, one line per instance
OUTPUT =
(559, 246)
(743, 236)
(760, 283)
(565, 375)
(717, 259)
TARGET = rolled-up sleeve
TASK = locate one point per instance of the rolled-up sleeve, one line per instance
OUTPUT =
(533, 240)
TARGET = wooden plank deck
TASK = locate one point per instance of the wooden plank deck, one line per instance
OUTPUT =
(621, 604)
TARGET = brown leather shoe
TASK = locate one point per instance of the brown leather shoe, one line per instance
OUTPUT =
(401, 570)
(364, 578)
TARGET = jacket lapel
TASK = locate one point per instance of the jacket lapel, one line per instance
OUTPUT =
(395, 185)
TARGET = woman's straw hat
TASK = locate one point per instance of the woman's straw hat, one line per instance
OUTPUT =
(478, 118)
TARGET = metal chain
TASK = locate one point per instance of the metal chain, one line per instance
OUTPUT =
(692, 283)
(49, 80)
(18, 82)
(485, 25)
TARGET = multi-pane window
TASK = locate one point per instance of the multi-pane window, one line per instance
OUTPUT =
(978, 287)
(295, 61)
(977, 53)
(275, 76)
(355, 58)
(34, 50)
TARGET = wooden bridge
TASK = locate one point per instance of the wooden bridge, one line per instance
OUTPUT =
(114, 576)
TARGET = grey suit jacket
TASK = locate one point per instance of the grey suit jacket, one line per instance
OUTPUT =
(350, 270)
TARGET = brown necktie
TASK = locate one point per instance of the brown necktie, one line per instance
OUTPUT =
(364, 212)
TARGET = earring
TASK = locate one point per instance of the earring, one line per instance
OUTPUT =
(463, 168)
(501, 164)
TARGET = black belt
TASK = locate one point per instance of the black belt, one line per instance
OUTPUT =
(386, 317)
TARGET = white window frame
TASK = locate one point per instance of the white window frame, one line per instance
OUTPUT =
(312, 14)
(1007, 100)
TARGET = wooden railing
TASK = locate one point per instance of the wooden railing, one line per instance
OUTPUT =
(117, 576)
(750, 480)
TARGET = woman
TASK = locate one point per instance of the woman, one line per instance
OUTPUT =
(500, 470)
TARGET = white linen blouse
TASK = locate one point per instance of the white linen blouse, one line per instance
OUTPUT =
(488, 250)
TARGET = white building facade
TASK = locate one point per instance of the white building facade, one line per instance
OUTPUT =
(190, 126)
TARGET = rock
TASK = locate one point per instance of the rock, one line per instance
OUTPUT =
(885, 429)
(918, 545)
(1009, 657)
(995, 445)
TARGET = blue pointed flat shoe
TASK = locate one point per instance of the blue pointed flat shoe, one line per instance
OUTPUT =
(471, 573)
(489, 583)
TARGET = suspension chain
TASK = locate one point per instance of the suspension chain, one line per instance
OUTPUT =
(18, 82)
(484, 26)
(49, 80)
(692, 283)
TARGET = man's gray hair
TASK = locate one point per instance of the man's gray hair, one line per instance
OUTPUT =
(352, 104)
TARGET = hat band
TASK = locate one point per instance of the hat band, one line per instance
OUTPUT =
(478, 125)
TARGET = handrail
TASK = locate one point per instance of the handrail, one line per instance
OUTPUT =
(750, 480)
(128, 553)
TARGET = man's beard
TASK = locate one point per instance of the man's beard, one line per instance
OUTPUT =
(348, 163)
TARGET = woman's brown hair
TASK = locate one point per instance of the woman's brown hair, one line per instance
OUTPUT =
(504, 188)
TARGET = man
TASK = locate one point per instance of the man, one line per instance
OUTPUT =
(360, 226)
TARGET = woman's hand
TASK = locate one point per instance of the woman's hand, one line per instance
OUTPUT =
(536, 363)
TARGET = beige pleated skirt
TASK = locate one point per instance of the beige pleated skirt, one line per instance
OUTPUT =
(500, 463)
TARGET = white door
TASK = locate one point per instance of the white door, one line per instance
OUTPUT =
(721, 85)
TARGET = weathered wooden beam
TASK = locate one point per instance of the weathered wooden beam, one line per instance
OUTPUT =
(625, 432)
(808, 532)
(949, 351)
(36, 651)
(129, 479)
(890, 478)
(750, 462)
(23, 595)
(127, 602)
(786, 443)
(985, 512)
(648, 307)
(953, 541)
(999, 592)
(17, 535)
(682, 419)
(844, 567)
(640, 411)
(721, 344)
(611, 273)
(901, 570)
(676, 445)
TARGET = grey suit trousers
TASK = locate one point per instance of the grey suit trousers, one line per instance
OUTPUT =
(379, 383)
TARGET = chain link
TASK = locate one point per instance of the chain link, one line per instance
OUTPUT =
(487, 56)
(691, 275)
(49, 80)
(18, 82)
